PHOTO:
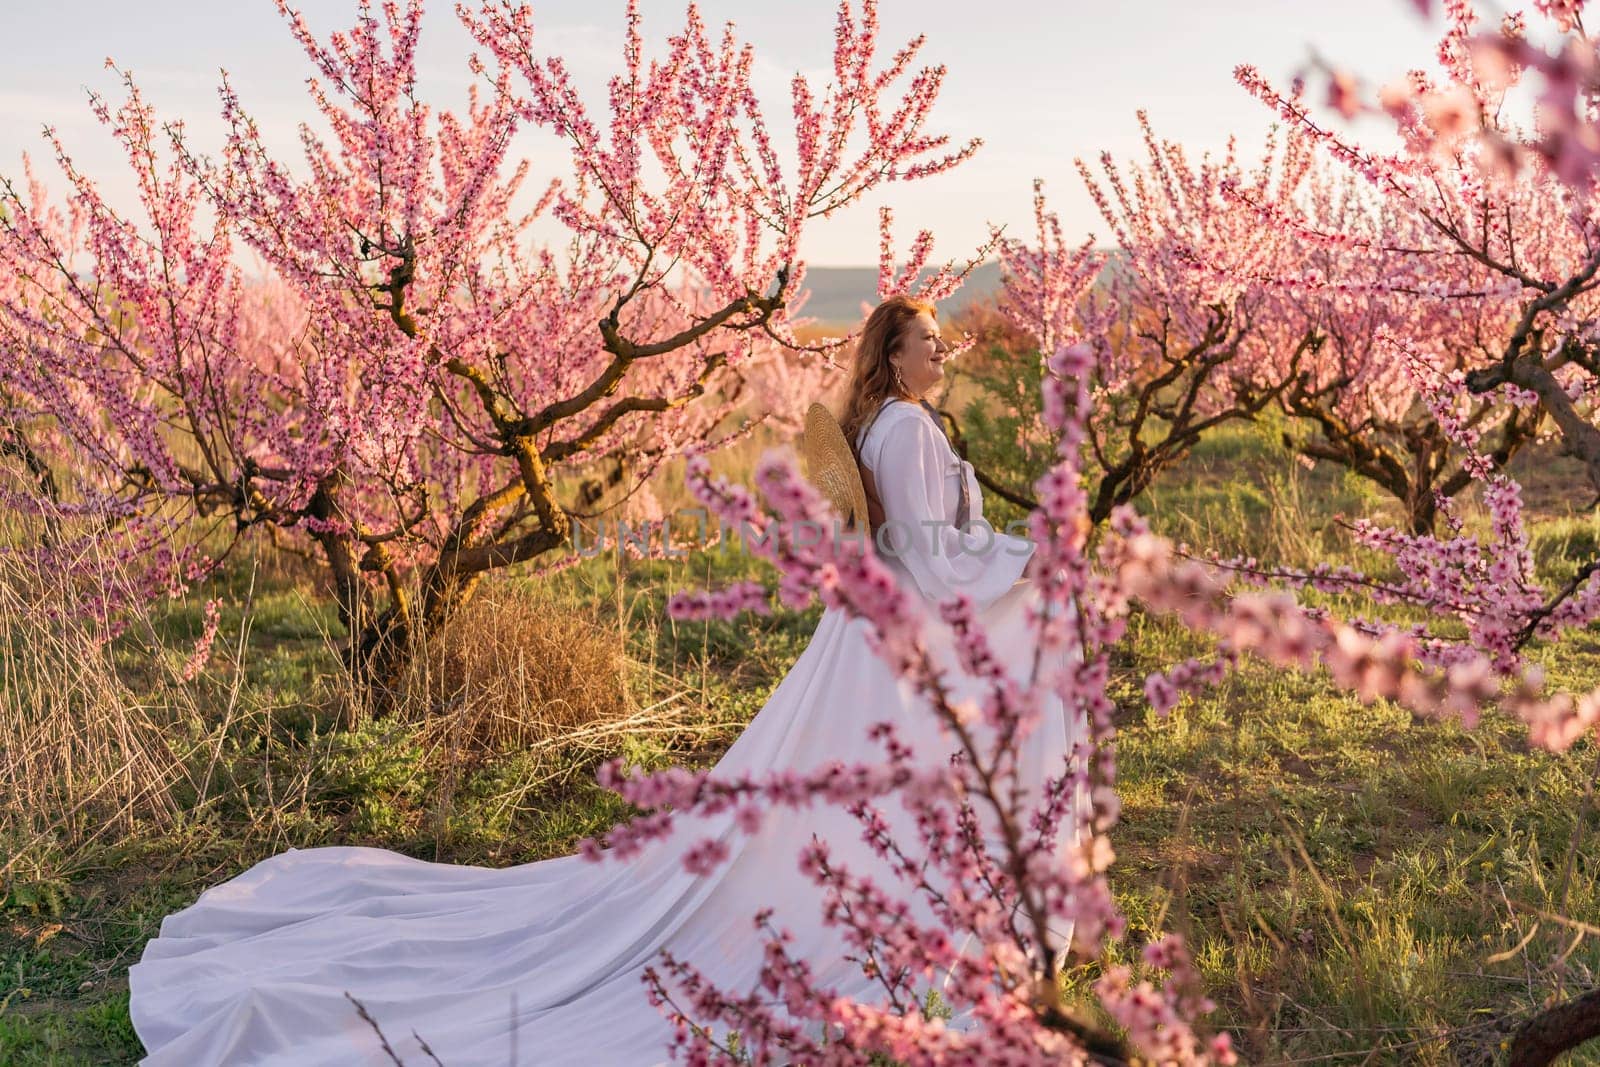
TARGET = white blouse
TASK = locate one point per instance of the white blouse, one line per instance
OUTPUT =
(918, 477)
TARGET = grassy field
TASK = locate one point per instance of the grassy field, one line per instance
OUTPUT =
(1360, 887)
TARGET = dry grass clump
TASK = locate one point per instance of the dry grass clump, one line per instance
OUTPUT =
(81, 754)
(514, 670)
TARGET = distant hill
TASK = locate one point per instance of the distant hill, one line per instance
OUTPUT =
(837, 293)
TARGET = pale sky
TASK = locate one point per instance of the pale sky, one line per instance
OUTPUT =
(1040, 82)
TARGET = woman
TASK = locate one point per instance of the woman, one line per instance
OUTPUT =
(541, 963)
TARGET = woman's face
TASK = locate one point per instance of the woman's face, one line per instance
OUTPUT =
(920, 355)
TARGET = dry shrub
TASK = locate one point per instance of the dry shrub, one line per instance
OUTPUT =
(514, 670)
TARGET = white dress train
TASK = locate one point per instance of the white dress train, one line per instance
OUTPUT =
(541, 964)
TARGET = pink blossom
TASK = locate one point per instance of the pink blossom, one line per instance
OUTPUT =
(202, 646)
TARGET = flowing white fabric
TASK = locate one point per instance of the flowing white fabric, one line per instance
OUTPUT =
(541, 964)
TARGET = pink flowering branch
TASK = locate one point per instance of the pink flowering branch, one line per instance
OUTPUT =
(202, 646)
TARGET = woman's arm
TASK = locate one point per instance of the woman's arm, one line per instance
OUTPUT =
(919, 531)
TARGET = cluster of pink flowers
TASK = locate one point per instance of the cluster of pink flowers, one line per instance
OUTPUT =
(201, 654)
(1564, 13)
(724, 603)
(1155, 1018)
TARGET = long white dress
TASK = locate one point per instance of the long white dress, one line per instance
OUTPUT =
(541, 964)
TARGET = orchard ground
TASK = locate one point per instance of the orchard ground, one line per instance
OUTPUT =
(1358, 887)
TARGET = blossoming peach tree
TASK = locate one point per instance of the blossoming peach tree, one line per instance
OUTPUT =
(1230, 290)
(407, 382)
(1182, 349)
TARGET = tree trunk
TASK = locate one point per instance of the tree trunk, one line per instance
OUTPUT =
(1422, 510)
(14, 443)
(382, 651)
(357, 612)
(1556, 1030)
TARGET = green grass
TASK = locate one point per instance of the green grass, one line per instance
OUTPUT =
(1346, 874)
(90, 1031)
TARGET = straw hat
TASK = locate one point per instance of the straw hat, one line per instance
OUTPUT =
(831, 465)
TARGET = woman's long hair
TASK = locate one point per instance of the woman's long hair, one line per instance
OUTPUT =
(872, 377)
